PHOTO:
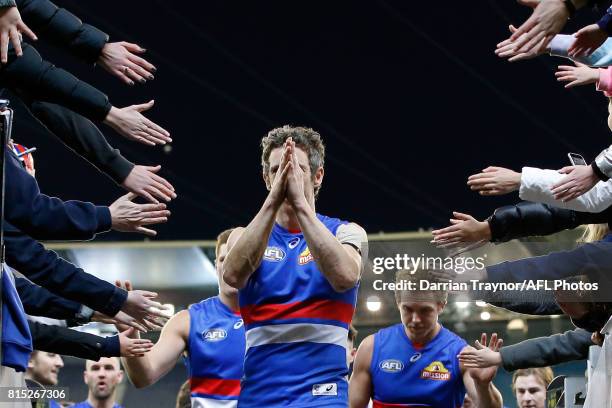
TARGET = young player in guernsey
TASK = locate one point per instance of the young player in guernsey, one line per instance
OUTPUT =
(414, 363)
(298, 273)
(211, 333)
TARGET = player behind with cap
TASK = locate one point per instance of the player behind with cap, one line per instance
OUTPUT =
(415, 363)
(211, 332)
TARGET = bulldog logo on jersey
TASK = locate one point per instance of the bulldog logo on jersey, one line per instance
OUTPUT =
(214, 335)
(391, 366)
(305, 257)
(436, 371)
(274, 254)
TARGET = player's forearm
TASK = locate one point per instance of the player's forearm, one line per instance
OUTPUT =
(488, 395)
(246, 254)
(340, 270)
(138, 369)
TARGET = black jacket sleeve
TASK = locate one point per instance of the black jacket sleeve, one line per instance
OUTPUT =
(45, 82)
(591, 259)
(46, 269)
(61, 340)
(82, 136)
(38, 301)
(45, 217)
(532, 219)
(546, 351)
(62, 28)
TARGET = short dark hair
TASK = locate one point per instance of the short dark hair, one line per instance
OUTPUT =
(305, 138)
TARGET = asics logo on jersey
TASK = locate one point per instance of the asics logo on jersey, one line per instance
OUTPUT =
(391, 366)
(436, 371)
(238, 324)
(293, 242)
(214, 335)
(415, 357)
(274, 254)
(325, 389)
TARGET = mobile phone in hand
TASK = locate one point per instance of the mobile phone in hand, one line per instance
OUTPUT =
(576, 159)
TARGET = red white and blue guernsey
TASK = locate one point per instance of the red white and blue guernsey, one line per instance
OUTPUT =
(408, 375)
(296, 328)
(215, 355)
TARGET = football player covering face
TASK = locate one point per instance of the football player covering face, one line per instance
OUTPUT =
(297, 272)
(415, 362)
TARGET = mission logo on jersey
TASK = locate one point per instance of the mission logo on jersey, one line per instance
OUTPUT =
(305, 257)
(436, 371)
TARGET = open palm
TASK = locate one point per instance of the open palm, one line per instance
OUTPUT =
(486, 375)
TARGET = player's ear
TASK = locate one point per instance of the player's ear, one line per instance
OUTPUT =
(441, 306)
(318, 177)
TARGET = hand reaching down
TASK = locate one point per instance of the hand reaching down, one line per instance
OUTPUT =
(128, 216)
(120, 60)
(144, 181)
(133, 125)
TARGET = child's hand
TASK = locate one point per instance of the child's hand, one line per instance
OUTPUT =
(588, 39)
(578, 75)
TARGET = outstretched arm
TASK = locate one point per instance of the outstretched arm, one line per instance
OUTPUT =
(148, 369)
(479, 381)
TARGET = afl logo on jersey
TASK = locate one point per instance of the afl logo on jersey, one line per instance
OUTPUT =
(436, 371)
(214, 335)
(274, 254)
(391, 366)
(293, 242)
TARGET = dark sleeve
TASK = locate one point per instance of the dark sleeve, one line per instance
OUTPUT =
(546, 351)
(61, 340)
(45, 82)
(600, 4)
(536, 219)
(63, 28)
(46, 269)
(531, 308)
(541, 303)
(82, 136)
(605, 22)
(38, 301)
(592, 259)
(45, 217)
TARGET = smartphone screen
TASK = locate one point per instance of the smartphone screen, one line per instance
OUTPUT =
(576, 159)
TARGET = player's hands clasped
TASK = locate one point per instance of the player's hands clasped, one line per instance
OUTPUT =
(288, 182)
